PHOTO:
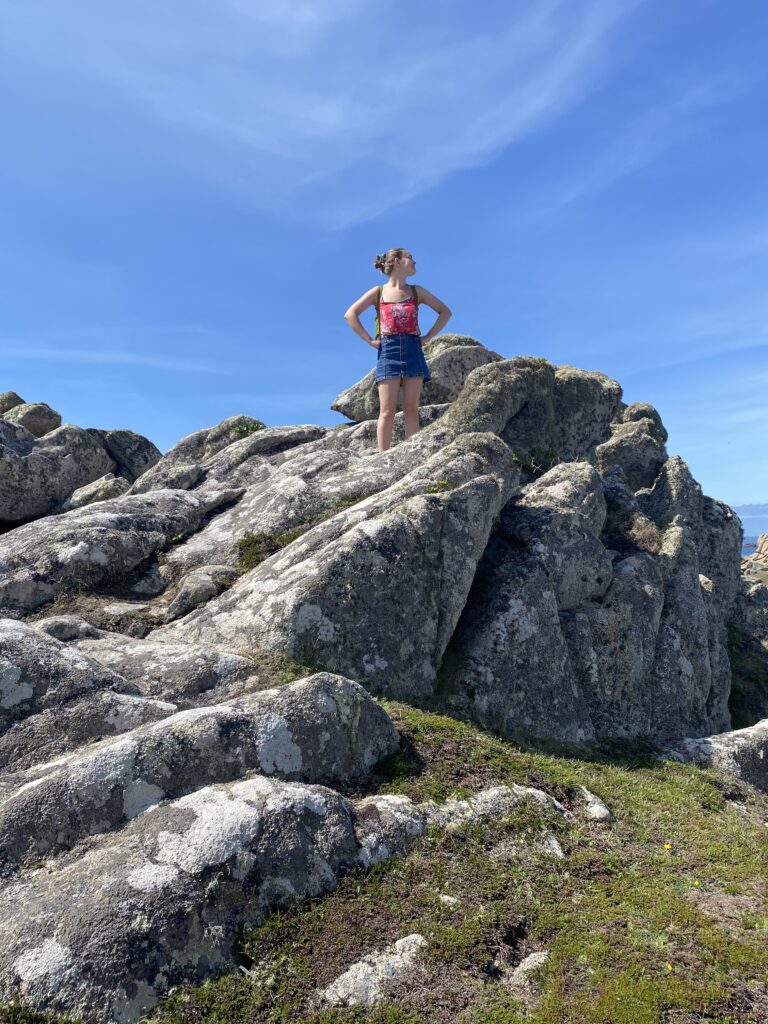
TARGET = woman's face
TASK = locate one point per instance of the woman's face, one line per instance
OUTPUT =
(407, 263)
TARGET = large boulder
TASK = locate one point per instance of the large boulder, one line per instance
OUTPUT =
(509, 662)
(133, 454)
(375, 591)
(163, 902)
(322, 729)
(37, 475)
(451, 358)
(9, 399)
(36, 417)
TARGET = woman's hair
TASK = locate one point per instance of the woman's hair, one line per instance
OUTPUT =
(385, 261)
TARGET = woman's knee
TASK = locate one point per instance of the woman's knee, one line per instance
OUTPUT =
(387, 413)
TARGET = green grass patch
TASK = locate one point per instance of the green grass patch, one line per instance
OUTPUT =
(658, 918)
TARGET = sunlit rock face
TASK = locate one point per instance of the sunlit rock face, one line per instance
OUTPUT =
(191, 647)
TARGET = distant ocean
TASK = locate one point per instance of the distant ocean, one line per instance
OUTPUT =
(754, 519)
(749, 545)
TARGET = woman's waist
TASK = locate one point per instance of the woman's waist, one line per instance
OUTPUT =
(402, 334)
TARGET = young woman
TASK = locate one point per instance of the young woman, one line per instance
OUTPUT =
(400, 357)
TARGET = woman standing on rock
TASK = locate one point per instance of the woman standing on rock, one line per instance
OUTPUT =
(398, 339)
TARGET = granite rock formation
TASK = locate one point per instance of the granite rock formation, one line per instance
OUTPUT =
(533, 558)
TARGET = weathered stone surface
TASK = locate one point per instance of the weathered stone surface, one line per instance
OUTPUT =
(151, 583)
(107, 486)
(67, 627)
(162, 902)
(451, 358)
(38, 672)
(37, 417)
(161, 668)
(9, 399)
(612, 646)
(64, 727)
(635, 446)
(688, 687)
(362, 983)
(234, 449)
(674, 493)
(718, 547)
(385, 824)
(645, 411)
(132, 453)
(307, 599)
(744, 752)
(95, 543)
(573, 488)
(322, 729)
(36, 475)
(198, 587)
(585, 402)
(594, 807)
(508, 663)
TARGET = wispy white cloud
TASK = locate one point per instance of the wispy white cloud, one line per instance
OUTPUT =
(329, 112)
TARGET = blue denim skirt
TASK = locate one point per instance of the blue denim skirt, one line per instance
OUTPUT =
(401, 355)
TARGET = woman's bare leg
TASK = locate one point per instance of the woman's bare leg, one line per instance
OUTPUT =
(388, 390)
(411, 397)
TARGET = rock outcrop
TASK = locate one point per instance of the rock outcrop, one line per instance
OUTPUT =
(46, 467)
(451, 357)
(532, 558)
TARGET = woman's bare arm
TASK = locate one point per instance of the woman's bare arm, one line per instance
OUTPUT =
(352, 316)
(443, 313)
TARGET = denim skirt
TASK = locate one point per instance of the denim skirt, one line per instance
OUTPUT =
(401, 355)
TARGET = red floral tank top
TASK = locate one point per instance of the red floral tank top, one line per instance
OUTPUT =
(400, 317)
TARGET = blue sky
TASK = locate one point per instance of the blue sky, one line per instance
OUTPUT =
(192, 193)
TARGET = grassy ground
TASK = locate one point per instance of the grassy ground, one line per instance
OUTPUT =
(659, 917)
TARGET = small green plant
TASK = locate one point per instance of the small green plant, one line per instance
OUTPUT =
(254, 548)
(244, 429)
(177, 538)
(437, 486)
(536, 461)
